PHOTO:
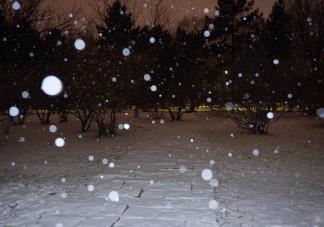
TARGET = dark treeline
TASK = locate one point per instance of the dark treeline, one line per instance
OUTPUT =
(251, 65)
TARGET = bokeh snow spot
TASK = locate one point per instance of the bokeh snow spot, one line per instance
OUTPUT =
(52, 128)
(22, 139)
(90, 188)
(13, 111)
(213, 204)
(91, 158)
(152, 40)
(206, 33)
(320, 113)
(52, 85)
(79, 44)
(59, 142)
(276, 62)
(147, 77)
(126, 126)
(256, 152)
(270, 115)
(16, 6)
(154, 88)
(182, 169)
(207, 175)
(25, 94)
(64, 195)
(126, 52)
(214, 183)
(114, 196)
(105, 161)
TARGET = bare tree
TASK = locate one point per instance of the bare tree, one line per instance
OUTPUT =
(254, 117)
(159, 14)
(192, 24)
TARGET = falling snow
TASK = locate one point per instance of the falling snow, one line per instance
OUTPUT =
(52, 85)
(184, 114)
(79, 44)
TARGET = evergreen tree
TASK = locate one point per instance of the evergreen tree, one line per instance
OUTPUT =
(306, 22)
(189, 62)
(118, 27)
(252, 86)
(277, 35)
(225, 35)
(154, 48)
(233, 18)
(276, 42)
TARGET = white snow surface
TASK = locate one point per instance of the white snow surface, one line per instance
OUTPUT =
(284, 189)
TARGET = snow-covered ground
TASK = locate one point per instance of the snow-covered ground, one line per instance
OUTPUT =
(156, 173)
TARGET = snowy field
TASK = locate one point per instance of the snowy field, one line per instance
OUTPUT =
(151, 175)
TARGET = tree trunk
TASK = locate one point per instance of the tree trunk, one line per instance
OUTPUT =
(63, 116)
(86, 124)
(112, 124)
(44, 116)
(136, 112)
(176, 115)
(102, 130)
(171, 113)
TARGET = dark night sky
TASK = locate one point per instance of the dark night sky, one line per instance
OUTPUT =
(181, 8)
